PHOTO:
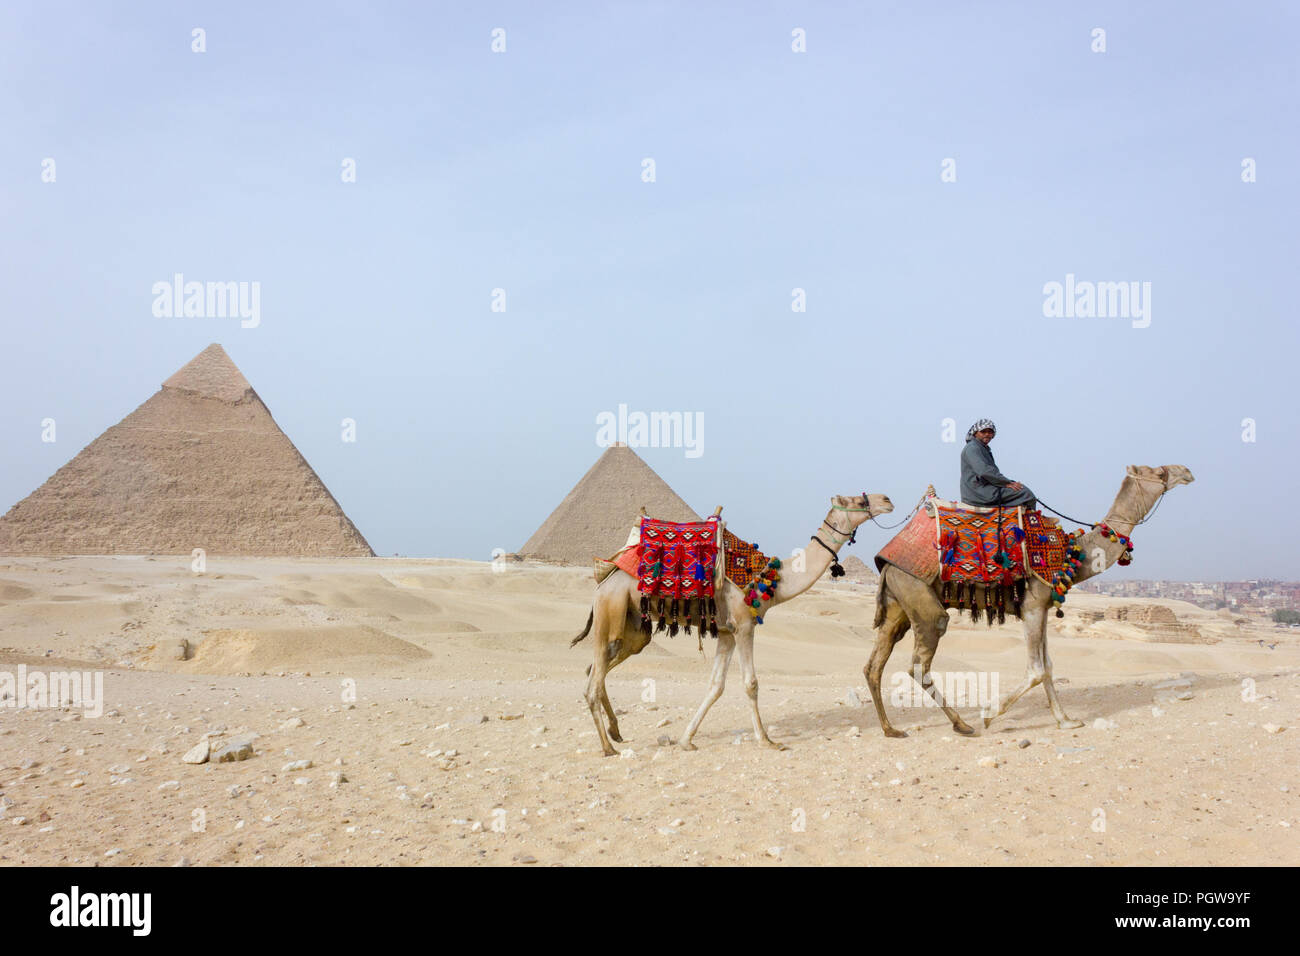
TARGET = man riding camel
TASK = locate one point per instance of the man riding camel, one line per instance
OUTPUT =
(981, 482)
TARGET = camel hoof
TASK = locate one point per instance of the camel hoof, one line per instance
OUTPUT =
(614, 736)
(1070, 724)
(891, 732)
(687, 745)
(987, 721)
(611, 752)
(775, 746)
(964, 730)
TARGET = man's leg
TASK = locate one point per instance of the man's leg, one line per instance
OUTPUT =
(1024, 496)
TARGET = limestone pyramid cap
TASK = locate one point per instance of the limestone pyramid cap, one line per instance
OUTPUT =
(211, 374)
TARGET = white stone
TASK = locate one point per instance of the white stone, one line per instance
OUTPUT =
(199, 753)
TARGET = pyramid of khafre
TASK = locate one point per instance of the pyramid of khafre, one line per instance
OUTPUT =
(595, 517)
(201, 464)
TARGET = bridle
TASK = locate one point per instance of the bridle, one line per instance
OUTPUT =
(849, 537)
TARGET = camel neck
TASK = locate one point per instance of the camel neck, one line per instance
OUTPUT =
(1133, 503)
(817, 559)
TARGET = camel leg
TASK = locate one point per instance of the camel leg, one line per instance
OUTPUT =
(1031, 680)
(632, 641)
(1035, 625)
(889, 634)
(721, 661)
(927, 642)
(609, 712)
(745, 648)
(596, 694)
(1063, 720)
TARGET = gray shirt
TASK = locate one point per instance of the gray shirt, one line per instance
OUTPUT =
(980, 478)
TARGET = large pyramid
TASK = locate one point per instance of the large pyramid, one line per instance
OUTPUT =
(595, 517)
(201, 464)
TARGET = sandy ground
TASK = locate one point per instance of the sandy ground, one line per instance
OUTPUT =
(447, 697)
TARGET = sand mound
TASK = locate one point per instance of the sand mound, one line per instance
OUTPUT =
(9, 591)
(301, 649)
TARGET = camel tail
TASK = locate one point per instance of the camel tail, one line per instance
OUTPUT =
(585, 631)
(880, 599)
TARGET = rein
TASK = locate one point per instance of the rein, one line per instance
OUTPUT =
(890, 527)
(1092, 524)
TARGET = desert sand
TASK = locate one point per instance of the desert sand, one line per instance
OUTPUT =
(440, 706)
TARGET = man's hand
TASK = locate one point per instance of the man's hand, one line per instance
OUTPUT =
(1015, 486)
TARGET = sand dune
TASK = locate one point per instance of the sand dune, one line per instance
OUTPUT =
(323, 649)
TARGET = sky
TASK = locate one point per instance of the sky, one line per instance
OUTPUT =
(828, 170)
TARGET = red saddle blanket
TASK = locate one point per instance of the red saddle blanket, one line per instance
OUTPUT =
(741, 561)
(677, 560)
(964, 547)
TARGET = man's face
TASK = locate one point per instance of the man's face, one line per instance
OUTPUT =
(985, 435)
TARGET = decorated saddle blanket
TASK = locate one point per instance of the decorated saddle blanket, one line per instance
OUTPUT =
(741, 561)
(677, 560)
(954, 543)
(680, 562)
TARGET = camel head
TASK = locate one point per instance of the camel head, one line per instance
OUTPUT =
(1143, 486)
(859, 509)
(1171, 476)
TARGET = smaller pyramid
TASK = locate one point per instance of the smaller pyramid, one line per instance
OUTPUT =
(595, 517)
(201, 464)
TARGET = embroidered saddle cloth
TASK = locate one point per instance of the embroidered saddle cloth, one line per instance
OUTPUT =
(741, 561)
(677, 560)
(963, 544)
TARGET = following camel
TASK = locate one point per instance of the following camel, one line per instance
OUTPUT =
(905, 601)
(615, 621)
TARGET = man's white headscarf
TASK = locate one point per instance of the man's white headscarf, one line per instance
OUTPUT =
(979, 426)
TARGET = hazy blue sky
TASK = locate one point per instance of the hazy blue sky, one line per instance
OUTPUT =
(775, 170)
